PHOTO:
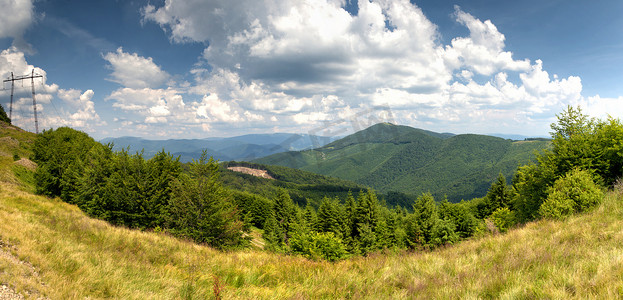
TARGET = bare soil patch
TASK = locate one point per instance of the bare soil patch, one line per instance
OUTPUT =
(27, 163)
(250, 171)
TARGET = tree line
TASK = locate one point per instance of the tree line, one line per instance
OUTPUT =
(125, 189)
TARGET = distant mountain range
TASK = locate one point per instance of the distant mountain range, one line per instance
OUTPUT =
(239, 148)
(389, 157)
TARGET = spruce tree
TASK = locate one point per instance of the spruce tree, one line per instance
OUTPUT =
(350, 209)
(499, 195)
(426, 217)
(330, 217)
(309, 218)
(272, 234)
(285, 216)
(3, 116)
(367, 219)
(200, 208)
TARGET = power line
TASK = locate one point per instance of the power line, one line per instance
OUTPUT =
(32, 77)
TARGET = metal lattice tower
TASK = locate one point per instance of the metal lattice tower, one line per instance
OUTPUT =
(32, 77)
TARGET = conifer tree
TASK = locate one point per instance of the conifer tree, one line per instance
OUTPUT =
(350, 209)
(499, 195)
(3, 116)
(272, 234)
(310, 218)
(367, 221)
(285, 216)
(426, 216)
(330, 217)
(200, 208)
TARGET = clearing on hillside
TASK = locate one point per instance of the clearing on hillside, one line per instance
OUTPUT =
(251, 171)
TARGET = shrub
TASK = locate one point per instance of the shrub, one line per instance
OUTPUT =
(503, 218)
(315, 245)
(444, 233)
(575, 192)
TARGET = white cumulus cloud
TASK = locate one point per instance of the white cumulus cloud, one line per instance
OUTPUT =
(307, 62)
(134, 71)
(15, 17)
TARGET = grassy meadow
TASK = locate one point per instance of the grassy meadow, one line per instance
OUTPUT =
(49, 248)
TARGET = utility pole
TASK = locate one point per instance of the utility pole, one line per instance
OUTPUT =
(32, 77)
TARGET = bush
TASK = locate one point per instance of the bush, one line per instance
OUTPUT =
(579, 142)
(503, 218)
(444, 233)
(315, 245)
(575, 192)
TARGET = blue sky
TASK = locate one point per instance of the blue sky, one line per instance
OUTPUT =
(195, 68)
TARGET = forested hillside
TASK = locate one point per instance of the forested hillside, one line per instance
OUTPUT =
(389, 157)
(302, 186)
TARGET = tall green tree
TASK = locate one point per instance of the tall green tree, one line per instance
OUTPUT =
(330, 217)
(367, 221)
(58, 152)
(3, 116)
(200, 208)
(421, 227)
(350, 210)
(272, 234)
(498, 196)
(285, 214)
(310, 218)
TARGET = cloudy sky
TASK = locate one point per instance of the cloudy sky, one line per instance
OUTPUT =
(196, 68)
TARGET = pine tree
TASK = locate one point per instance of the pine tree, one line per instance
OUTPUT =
(330, 217)
(426, 217)
(499, 194)
(367, 218)
(285, 216)
(200, 208)
(309, 218)
(350, 210)
(3, 116)
(272, 234)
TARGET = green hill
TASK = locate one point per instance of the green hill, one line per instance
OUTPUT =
(400, 158)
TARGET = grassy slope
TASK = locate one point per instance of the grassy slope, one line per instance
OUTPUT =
(52, 249)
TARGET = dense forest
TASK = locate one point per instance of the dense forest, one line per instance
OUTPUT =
(192, 201)
(302, 186)
(394, 158)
